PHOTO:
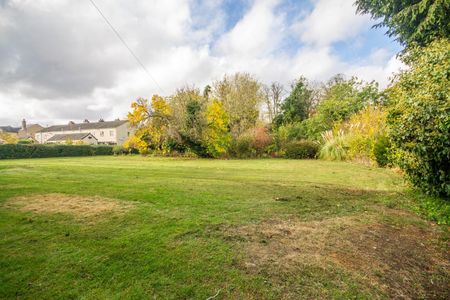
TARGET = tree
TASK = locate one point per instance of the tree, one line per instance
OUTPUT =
(341, 98)
(419, 118)
(297, 105)
(241, 96)
(412, 22)
(272, 99)
(152, 123)
(8, 138)
(206, 92)
(216, 136)
(188, 118)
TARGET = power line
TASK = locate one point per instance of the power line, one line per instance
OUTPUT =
(126, 45)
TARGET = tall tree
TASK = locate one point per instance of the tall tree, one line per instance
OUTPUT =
(297, 105)
(412, 22)
(188, 117)
(241, 96)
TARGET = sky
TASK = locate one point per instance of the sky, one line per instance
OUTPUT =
(60, 61)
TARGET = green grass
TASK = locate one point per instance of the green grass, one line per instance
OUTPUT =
(172, 245)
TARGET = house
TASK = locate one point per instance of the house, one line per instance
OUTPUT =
(28, 132)
(75, 138)
(105, 132)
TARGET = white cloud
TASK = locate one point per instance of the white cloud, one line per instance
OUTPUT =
(331, 21)
(257, 34)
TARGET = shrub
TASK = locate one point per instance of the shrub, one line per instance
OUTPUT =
(419, 119)
(102, 150)
(11, 151)
(25, 142)
(242, 147)
(301, 149)
(362, 132)
(334, 146)
(261, 139)
(381, 151)
(119, 150)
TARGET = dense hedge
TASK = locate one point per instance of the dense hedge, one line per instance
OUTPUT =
(10, 151)
(301, 150)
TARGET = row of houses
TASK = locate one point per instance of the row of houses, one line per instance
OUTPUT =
(102, 132)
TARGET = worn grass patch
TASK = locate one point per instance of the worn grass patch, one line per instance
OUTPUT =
(77, 206)
(401, 260)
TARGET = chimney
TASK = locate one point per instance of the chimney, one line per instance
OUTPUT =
(24, 124)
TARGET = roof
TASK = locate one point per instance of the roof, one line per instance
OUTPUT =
(9, 129)
(84, 126)
(29, 131)
(69, 137)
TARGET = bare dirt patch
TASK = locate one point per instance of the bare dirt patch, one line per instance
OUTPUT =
(402, 261)
(78, 206)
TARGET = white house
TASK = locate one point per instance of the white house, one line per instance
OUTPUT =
(105, 132)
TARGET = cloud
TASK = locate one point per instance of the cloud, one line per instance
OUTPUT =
(331, 21)
(257, 34)
(59, 61)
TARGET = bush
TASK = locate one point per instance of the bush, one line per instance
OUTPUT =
(102, 150)
(119, 150)
(242, 147)
(419, 118)
(381, 150)
(25, 142)
(362, 132)
(11, 151)
(335, 146)
(301, 150)
(261, 140)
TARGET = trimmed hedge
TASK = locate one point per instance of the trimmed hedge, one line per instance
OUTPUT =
(11, 151)
(301, 150)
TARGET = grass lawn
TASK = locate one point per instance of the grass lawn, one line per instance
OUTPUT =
(135, 227)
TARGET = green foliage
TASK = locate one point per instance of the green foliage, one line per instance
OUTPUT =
(301, 149)
(341, 99)
(12, 151)
(410, 21)
(335, 146)
(419, 118)
(188, 120)
(381, 150)
(433, 208)
(121, 150)
(297, 106)
(242, 147)
(25, 142)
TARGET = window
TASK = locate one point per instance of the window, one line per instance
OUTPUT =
(102, 133)
(111, 133)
